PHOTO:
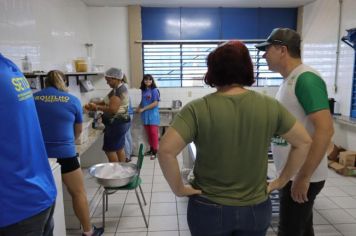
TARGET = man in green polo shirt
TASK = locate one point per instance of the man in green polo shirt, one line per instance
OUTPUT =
(303, 92)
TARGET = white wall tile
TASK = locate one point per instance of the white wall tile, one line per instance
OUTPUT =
(320, 28)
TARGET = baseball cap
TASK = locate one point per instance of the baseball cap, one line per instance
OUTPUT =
(281, 36)
(114, 73)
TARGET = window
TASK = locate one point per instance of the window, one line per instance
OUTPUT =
(184, 64)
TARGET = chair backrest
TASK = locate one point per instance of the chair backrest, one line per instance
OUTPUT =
(140, 157)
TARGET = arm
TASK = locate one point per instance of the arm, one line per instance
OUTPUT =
(170, 146)
(300, 141)
(148, 107)
(323, 131)
(113, 107)
(78, 127)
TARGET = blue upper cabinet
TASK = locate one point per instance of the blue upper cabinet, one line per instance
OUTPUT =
(200, 23)
(160, 23)
(214, 23)
(270, 18)
(239, 23)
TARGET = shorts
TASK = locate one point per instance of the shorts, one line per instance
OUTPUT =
(114, 136)
(68, 164)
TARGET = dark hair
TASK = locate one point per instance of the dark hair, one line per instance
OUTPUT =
(145, 77)
(228, 64)
(56, 79)
(294, 51)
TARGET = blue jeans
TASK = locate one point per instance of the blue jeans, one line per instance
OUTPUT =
(38, 225)
(128, 142)
(206, 218)
(296, 219)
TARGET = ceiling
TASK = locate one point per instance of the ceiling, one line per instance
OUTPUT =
(198, 3)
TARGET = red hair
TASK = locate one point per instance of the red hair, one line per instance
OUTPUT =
(228, 64)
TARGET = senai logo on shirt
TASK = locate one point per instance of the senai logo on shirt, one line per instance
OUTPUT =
(22, 87)
(51, 98)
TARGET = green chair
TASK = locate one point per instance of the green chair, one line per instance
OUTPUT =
(136, 182)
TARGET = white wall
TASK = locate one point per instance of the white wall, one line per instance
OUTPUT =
(51, 32)
(319, 31)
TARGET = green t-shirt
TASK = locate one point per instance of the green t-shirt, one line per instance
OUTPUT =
(232, 134)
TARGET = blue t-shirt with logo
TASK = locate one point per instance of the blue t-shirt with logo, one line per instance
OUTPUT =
(151, 116)
(27, 186)
(58, 112)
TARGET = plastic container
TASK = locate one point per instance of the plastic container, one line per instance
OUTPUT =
(26, 65)
(80, 65)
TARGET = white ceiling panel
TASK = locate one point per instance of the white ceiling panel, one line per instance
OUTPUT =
(198, 3)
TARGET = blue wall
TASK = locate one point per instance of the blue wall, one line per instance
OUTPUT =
(214, 23)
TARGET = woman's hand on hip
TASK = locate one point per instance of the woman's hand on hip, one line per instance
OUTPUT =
(187, 190)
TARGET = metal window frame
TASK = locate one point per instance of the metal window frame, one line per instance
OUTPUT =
(260, 81)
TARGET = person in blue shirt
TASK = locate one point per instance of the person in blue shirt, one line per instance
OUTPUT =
(27, 189)
(149, 112)
(60, 115)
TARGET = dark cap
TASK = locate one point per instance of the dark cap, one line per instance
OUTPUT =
(281, 36)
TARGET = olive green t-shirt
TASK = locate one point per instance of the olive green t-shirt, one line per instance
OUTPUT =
(232, 134)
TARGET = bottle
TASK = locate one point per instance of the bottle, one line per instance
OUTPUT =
(26, 65)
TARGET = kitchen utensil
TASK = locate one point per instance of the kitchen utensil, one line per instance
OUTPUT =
(176, 104)
(113, 174)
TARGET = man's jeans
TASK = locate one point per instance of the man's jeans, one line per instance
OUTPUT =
(38, 225)
(296, 219)
(207, 218)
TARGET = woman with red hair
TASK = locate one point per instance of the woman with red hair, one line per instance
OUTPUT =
(231, 129)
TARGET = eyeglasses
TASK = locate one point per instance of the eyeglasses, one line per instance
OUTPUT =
(147, 79)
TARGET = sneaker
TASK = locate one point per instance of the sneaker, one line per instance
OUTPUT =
(148, 153)
(153, 156)
(96, 231)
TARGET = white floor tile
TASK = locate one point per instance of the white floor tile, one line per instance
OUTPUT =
(333, 192)
(131, 224)
(114, 210)
(326, 230)
(345, 202)
(341, 181)
(134, 210)
(163, 208)
(163, 197)
(163, 233)
(164, 187)
(162, 223)
(183, 223)
(318, 219)
(323, 203)
(352, 212)
(351, 190)
(337, 216)
(132, 198)
(346, 229)
(184, 233)
(182, 208)
(130, 234)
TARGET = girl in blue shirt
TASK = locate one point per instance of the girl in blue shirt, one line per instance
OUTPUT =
(149, 111)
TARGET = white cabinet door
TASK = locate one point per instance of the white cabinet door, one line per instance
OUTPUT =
(59, 222)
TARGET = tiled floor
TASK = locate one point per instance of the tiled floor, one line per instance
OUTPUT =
(334, 213)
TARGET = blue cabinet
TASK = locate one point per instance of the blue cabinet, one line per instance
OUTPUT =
(214, 23)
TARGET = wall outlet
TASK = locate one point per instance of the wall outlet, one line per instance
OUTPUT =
(189, 93)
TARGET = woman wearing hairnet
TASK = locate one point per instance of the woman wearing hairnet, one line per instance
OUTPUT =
(115, 117)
